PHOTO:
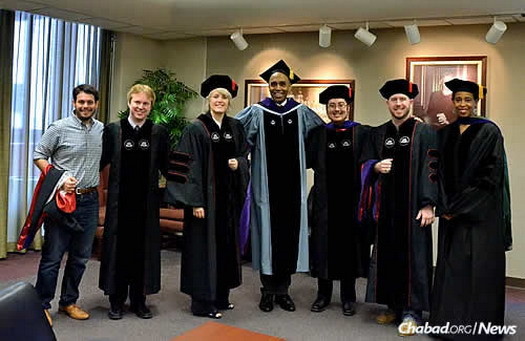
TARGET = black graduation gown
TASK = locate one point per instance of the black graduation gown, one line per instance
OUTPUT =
(338, 247)
(150, 197)
(401, 265)
(470, 274)
(211, 256)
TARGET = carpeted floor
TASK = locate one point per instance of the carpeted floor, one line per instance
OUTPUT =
(172, 316)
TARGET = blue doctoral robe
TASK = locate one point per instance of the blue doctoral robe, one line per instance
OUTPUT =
(267, 119)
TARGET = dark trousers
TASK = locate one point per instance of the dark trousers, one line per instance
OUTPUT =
(57, 240)
(276, 284)
(325, 288)
(135, 283)
(130, 256)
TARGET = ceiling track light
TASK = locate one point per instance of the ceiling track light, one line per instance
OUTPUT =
(365, 36)
(495, 32)
(325, 36)
(412, 33)
(238, 40)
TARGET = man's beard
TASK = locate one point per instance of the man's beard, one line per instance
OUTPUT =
(82, 118)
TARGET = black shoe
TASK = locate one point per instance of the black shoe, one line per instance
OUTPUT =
(320, 304)
(141, 311)
(285, 302)
(348, 308)
(266, 303)
(225, 306)
(115, 312)
(215, 314)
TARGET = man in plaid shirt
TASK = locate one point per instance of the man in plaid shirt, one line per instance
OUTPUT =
(73, 144)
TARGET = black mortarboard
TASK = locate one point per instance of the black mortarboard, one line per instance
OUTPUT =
(219, 81)
(281, 67)
(399, 86)
(336, 91)
(456, 85)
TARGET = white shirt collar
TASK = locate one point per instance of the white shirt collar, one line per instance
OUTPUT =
(282, 104)
(133, 124)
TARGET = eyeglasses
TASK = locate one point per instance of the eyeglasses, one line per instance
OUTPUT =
(337, 106)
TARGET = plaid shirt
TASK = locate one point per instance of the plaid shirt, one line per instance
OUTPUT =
(74, 147)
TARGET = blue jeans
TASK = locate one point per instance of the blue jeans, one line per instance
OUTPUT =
(57, 240)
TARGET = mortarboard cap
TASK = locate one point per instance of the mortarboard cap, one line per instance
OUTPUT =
(219, 81)
(281, 67)
(336, 91)
(456, 85)
(399, 86)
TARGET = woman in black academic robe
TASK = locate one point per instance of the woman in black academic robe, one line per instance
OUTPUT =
(213, 197)
(469, 287)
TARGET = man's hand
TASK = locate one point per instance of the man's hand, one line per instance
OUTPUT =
(233, 164)
(198, 212)
(446, 216)
(69, 185)
(442, 119)
(383, 166)
(426, 214)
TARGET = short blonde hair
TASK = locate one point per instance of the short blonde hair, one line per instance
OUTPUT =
(142, 88)
(223, 92)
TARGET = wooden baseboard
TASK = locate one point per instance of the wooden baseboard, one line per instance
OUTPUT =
(515, 282)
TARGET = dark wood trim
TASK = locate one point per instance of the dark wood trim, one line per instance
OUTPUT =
(515, 282)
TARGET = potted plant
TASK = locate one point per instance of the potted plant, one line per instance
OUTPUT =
(172, 96)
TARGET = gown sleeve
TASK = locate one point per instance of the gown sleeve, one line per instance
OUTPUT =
(489, 158)
(185, 184)
(428, 178)
(249, 118)
(108, 146)
(164, 151)
(312, 147)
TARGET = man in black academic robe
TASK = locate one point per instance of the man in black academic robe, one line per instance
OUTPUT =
(136, 150)
(402, 156)
(339, 249)
(276, 129)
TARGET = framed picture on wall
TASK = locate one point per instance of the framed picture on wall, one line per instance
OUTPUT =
(430, 74)
(306, 91)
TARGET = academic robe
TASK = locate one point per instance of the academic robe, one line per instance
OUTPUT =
(401, 266)
(469, 285)
(113, 227)
(339, 247)
(210, 256)
(278, 224)
(44, 207)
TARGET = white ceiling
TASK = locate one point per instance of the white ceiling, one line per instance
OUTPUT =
(174, 19)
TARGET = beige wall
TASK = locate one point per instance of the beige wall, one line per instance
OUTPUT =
(187, 58)
(194, 59)
(132, 55)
